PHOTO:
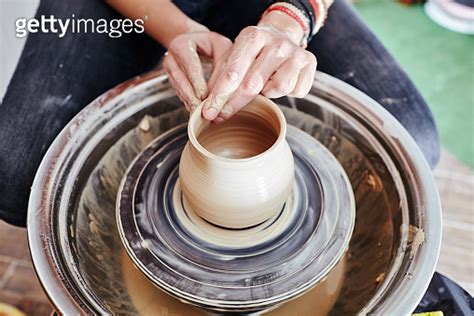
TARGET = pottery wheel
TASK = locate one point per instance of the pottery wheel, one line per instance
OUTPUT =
(235, 269)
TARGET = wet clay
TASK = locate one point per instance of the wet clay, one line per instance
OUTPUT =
(242, 136)
(217, 269)
(151, 301)
(99, 249)
(148, 299)
(239, 173)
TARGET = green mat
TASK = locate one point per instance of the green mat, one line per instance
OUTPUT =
(440, 62)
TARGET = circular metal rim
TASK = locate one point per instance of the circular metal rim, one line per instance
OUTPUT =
(320, 266)
(405, 294)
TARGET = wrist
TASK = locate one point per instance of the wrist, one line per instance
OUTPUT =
(187, 26)
(193, 26)
(310, 14)
(284, 24)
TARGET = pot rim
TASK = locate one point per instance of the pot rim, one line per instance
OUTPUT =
(196, 120)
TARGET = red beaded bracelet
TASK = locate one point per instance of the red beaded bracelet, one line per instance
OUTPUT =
(289, 12)
(315, 7)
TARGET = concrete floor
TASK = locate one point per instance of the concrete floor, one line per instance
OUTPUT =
(456, 187)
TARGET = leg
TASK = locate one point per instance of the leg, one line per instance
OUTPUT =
(348, 50)
(231, 16)
(54, 80)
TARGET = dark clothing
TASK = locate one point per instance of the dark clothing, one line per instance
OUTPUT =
(56, 77)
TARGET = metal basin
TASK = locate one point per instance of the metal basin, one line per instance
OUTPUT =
(73, 237)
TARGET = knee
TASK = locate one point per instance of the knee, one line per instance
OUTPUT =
(15, 182)
(430, 145)
(426, 136)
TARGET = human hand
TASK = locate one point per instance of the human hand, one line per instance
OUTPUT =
(263, 60)
(183, 65)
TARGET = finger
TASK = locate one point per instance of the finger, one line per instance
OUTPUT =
(284, 80)
(218, 120)
(217, 70)
(187, 57)
(220, 45)
(180, 95)
(305, 78)
(269, 60)
(180, 83)
(246, 48)
(220, 51)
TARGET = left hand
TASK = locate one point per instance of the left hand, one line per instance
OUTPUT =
(183, 65)
(262, 60)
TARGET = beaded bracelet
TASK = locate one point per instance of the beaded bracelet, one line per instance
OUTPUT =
(320, 13)
(295, 13)
(315, 12)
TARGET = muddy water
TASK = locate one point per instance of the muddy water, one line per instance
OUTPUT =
(120, 289)
(150, 301)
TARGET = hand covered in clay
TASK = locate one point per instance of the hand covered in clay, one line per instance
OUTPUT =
(183, 65)
(263, 60)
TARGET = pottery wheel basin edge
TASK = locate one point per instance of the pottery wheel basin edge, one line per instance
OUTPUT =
(67, 232)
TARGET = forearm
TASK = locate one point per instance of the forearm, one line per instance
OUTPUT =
(163, 20)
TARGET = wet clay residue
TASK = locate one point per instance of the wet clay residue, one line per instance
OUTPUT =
(370, 249)
(151, 301)
(99, 249)
(416, 237)
(246, 136)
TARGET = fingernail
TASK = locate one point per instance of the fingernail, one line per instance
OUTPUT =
(201, 92)
(218, 120)
(210, 113)
(204, 91)
(272, 94)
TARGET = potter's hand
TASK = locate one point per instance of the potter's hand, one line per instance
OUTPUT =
(265, 59)
(183, 65)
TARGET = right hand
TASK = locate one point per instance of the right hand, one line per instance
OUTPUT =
(183, 65)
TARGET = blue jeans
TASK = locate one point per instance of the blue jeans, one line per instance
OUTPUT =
(57, 77)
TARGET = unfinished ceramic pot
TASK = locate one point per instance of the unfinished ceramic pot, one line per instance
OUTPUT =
(236, 270)
(238, 173)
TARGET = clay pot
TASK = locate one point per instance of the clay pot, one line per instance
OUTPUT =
(238, 173)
